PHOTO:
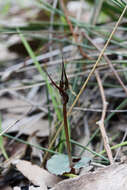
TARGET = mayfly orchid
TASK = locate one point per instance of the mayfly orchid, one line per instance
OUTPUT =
(63, 87)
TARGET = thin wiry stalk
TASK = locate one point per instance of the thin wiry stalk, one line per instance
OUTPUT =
(67, 134)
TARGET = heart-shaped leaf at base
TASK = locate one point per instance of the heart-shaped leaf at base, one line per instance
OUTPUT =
(83, 162)
(59, 164)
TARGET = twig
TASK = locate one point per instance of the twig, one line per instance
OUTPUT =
(10, 126)
(101, 121)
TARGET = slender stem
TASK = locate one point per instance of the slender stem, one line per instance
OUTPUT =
(67, 134)
(101, 121)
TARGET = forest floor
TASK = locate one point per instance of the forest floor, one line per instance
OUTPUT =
(63, 60)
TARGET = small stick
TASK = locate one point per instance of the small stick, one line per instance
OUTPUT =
(101, 121)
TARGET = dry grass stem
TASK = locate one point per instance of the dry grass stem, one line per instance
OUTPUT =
(101, 121)
(118, 151)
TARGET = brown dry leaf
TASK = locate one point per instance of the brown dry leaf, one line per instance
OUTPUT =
(17, 152)
(14, 105)
(38, 176)
(113, 177)
(28, 125)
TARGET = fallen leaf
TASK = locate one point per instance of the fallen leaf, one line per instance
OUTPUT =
(113, 177)
(16, 152)
(14, 105)
(38, 176)
(28, 125)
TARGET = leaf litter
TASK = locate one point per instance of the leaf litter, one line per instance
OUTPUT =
(38, 176)
(24, 103)
(112, 178)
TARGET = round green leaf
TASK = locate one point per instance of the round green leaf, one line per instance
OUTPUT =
(82, 163)
(58, 164)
